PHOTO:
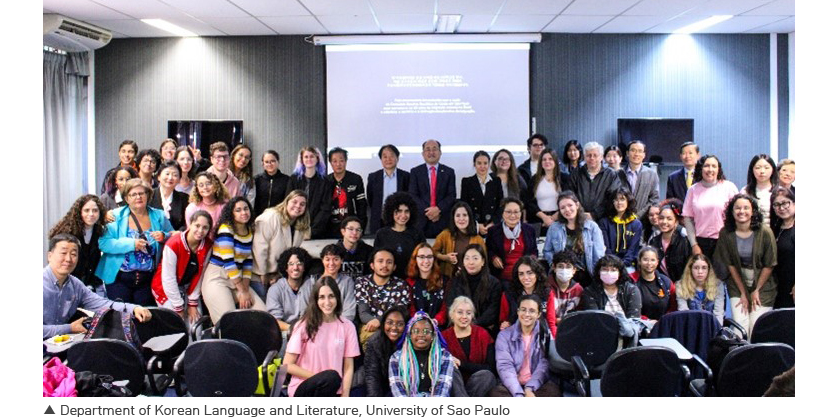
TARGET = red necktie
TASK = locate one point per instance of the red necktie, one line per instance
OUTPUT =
(433, 185)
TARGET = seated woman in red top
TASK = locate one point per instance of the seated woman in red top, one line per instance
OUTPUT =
(658, 291)
(510, 240)
(426, 284)
(472, 347)
(529, 279)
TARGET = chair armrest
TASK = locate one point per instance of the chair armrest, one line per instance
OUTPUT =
(729, 322)
(708, 376)
(269, 358)
(197, 326)
(178, 374)
(279, 380)
(581, 376)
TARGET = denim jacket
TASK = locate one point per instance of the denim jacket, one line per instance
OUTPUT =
(510, 356)
(593, 243)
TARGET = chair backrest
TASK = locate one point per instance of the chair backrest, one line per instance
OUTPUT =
(256, 329)
(164, 322)
(220, 368)
(749, 370)
(643, 372)
(108, 356)
(776, 326)
(591, 335)
(693, 329)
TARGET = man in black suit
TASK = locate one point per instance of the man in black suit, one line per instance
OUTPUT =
(680, 180)
(536, 144)
(384, 182)
(432, 185)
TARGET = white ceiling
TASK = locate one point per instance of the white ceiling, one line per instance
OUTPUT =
(323, 17)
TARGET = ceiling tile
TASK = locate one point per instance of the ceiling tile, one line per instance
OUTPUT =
(207, 8)
(294, 25)
(725, 7)
(132, 28)
(740, 24)
(149, 9)
(404, 7)
(475, 23)
(332, 7)
(520, 23)
(661, 7)
(83, 10)
(534, 7)
(576, 24)
(362, 24)
(469, 7)
(784, 26)
(777, 8)
(406, 23)
(239, 26)
(272, 7)
(630, 24)
(599, 7)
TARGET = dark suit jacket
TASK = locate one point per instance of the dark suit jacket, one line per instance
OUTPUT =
(676, 185)
(418, 187)
(374, 195)
(484, 206)
(647, 189)
(177, 210)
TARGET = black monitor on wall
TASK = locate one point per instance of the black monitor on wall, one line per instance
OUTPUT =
(203, 133)
(662, 136)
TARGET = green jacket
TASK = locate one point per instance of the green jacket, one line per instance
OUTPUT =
(763, 255)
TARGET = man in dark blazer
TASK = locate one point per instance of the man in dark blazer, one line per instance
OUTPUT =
(641, 181)
(536, 144)
(397, 178)
(677, 184)
(435, 208)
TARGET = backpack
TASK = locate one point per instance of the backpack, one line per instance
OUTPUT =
(720, 346)
(110, 323)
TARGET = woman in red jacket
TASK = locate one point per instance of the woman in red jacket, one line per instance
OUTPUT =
(182, 264)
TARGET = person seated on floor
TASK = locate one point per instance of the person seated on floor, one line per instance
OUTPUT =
(332, 257)
(379, 291)
(472, 347)
(421, 367)
(356, 251)
(64, 293)
(379, 349)
(286, 298)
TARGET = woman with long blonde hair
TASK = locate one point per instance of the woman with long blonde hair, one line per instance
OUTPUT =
(700, 289)
(277, 229)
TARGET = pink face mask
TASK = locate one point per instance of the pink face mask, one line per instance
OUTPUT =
(609, 277)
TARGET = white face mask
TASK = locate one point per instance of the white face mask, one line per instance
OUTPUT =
(609, 277)
(564, 275)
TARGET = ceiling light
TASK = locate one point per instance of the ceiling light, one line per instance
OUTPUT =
(703, 24)
(425, 38)
(447, 23)
(168, 27)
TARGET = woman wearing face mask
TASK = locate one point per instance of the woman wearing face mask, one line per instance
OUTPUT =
(322, 346)
(573, 231)
(748, 249)
(704, 205)
(784, 210)
(522, 355)
(186, 161)
(762, 177)
(657, 290)
(671, 245)
(474, 281)
(243, 169)
(286, 298)
(472, 347)
(270, 186)
(621, 229)
(510, 240)
(482, 192)
(699, 288)
(173, 203)
(209, 195)
(181, 266)
(422, 366)
(450, 244)
(310, 176)
(612, 290)
(529, 279)
(277, 229)
(426, 283)
(381, 345)
(566, 290)
(86, 221)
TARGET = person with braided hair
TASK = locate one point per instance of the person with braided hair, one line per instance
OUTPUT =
(422, 366)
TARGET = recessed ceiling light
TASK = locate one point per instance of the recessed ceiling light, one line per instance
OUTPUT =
(168, 27)
(703, 24)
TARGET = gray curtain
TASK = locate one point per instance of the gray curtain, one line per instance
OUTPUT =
(65, 133)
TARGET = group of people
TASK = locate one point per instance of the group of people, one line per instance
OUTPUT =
(471, 312)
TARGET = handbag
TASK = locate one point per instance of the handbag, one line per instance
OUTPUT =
(59, 380)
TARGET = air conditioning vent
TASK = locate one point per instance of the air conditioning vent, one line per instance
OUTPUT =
(72, 35)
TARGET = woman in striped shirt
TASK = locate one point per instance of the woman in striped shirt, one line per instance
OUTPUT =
(226, 284)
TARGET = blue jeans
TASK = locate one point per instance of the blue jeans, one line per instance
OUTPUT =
(259, 288)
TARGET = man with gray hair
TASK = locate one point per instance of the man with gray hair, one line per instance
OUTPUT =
(642, 181)
(593, 181)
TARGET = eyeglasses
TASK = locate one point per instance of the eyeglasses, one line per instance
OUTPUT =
(294, 264)
(528, 311)
(221, 157)
(781, 205)
(399, 324)
(137, 194)
(424, 331)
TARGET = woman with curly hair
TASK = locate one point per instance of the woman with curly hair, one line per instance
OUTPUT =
(670, 243)
(209, 195)
(148, 160)
(704, 204)
(699, 288)
(112, 197)
(86, 221)
(422, 367)
(286, 298)
(277, 229)
(450, 244)
(240, 159)
(398, 232)
(426, 283)
(748, 249)
(186, 161)
(621, 229)
(529, 278)
(310, 176)
(226, 284)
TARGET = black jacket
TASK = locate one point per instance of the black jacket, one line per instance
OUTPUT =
(375, 198)
(177, 210)
(593, 193)
(487, 310)
(524, 169)
(318, 202)
(271, 190)
(629, 297)
(485, 206)
(354, 187)
(376, 367)
(89, 256)
(679, 251)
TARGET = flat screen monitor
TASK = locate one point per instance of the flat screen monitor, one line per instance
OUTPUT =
(662, 136)
(202, 133)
